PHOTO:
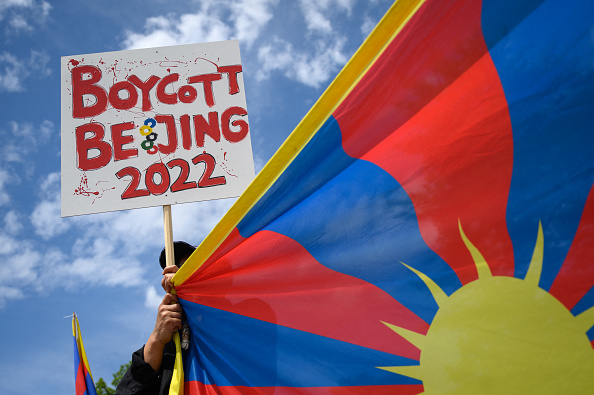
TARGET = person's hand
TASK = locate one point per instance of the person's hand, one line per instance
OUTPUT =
(169, 321)
(168, 274)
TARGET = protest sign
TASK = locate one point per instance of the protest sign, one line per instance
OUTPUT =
(153, 127)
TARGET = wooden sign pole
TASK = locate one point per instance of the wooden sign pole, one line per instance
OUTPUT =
(177, 380)
(168, 227)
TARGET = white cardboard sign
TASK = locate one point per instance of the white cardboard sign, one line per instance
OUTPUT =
(152, 127)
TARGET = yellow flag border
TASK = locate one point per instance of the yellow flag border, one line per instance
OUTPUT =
(176, 387)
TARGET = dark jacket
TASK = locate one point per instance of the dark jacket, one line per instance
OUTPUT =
(141, 379)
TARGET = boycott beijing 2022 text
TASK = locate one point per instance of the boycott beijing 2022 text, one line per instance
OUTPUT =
(91, 136)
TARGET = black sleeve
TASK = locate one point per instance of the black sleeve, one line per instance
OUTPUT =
(140, 378)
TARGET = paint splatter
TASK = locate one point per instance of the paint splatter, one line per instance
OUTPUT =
(226, 169)
(83, 187)
(72, 63)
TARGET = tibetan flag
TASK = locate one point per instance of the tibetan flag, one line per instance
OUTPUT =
(83, 380)
(427, 228)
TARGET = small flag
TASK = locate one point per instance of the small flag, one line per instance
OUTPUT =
(83, 380)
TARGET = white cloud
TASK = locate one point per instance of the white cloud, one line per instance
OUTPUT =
(46, 129)
(314, 18)
(152, 298)
(12, 223)
(241, 19)
(105, 268)
(9, 293)
(311, 60)
(7, 244)
(4, 179)
(14, 71)
(51, 185)
(276, 56)
(21, 14)
(46, 218)
(18, 268)
(23, 265)
(131, 230)
(310, 68)
(112, 248)
(24, 268)
(109, 249)
(29, 135)
(170, 30)
(367, 26)
(19, 23)
(7, 4)
(22, 141)
(136, 231)
(193, 221)
(315, 12)
(250, 16)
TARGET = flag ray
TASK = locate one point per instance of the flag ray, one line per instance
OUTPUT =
(285, 357)
(251, 275)
(370, 209)
(439, 178)
(573, 285)
(544, 64)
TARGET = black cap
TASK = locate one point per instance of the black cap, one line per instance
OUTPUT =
(181, 250)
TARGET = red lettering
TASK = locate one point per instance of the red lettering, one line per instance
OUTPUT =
(171, 134)
(119, 153)
(230, 135)
(187, 94)
(163, 185)
(145, 87)
(206, 180)
(84, 145)
(132, 190)
(181, 183)
(82, 87)
(206, 80)
(119, 103)
(202, 127)
(184, 121)
(165, 97)
(231, 71)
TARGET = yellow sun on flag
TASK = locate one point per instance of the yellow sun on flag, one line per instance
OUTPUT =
(502, 335)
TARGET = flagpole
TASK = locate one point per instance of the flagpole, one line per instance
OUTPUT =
(176, 387)
(168, 228)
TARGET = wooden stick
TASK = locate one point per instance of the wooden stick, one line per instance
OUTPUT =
(168, 227)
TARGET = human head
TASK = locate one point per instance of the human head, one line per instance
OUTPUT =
(181, 250)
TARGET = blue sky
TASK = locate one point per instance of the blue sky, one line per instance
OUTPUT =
(104, 266)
